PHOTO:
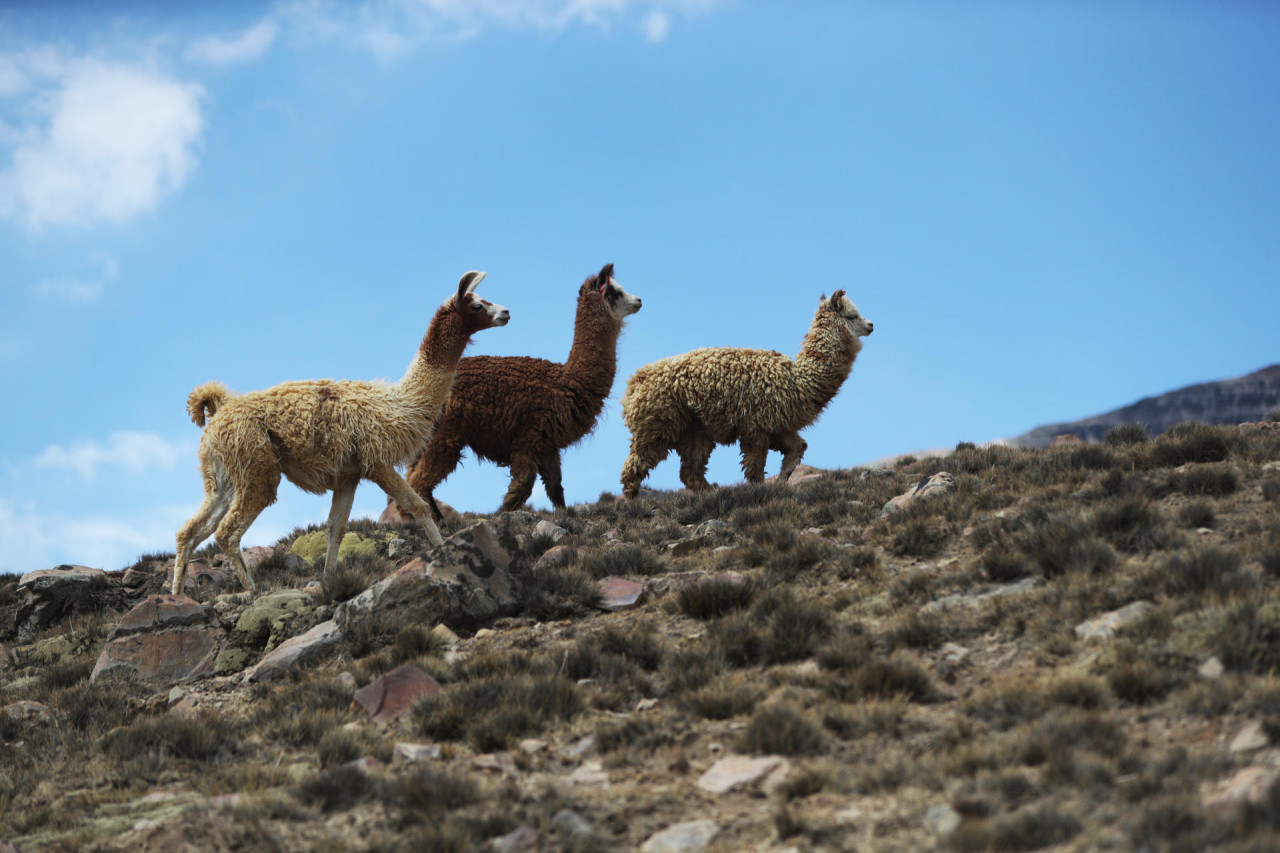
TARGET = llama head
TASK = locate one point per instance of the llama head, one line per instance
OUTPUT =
(842, 305)
(621, 303)
(475, 312)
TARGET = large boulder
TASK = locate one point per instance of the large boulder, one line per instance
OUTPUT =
(47, 595)
(165, 638)
(465, 583)
(296, 651)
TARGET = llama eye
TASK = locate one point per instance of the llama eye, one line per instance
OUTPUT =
(475, 307)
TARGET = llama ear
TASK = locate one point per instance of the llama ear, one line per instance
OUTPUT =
(469, 282)
(606, 273)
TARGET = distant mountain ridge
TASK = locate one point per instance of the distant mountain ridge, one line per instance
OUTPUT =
(1229, 401)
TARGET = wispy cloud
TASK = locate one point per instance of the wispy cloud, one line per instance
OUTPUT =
(390, 28)
(80, 290)
(132, 452)
(249, 46)
(32, 539)
(108, 142)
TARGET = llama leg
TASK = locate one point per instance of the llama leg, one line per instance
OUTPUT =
(343, 496)
(643, 459)
(695, 452)
(523, 472)
(217, 501)
(399, 491)
(755, 448)
(255, 491)
(431, 468)
(549, 470)
(793, 448)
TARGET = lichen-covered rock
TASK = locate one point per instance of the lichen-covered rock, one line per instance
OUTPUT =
(312, 546)
(263, 621)
(164, 638)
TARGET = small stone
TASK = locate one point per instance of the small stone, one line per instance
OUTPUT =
(494, 762)
(554, 557)
(484, 633)
(396, 547)
(619, 594)
(713, 525)
(522, 839)
(443, 635)
(549, 530)
(590, 773)
(1211, 669)
(570, 822)
(646, 704)
(954, 653)
(694, 835)
(728, 773)
(578, 748)
(26, 710)
(415, 753)
(176, 694)
(532, 746)
(1106, 626)
(1250, 738)
(939, 484)
(942, 820)
(393, 695)
(1248, 786)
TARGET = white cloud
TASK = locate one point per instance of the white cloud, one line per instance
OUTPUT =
(389, 28)
(132, 452)
(113, 140)
(31, 539)
(80, 291)
(656, 26)
(76, 291)
(249, 46)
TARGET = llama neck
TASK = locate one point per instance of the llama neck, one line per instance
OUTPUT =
(427, 381)
(825, 359)
(593, 360)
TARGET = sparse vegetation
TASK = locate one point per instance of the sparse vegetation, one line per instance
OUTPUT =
(925, 658)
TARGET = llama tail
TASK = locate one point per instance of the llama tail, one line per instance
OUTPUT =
(205, 400)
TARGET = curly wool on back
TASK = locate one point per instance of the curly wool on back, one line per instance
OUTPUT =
(721, 395)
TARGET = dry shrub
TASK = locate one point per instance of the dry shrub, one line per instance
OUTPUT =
(781, 728)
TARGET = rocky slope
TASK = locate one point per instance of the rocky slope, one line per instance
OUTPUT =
(1231, 401)
(1005, 649)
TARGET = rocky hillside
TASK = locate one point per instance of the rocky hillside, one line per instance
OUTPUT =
(1003, 649)
(1231, 401)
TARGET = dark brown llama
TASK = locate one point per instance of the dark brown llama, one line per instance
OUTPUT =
(520, 412)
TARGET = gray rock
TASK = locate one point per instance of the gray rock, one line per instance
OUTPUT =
(296, 651)
(940, 483)
(710, 526)
(415, 753)
(26, 710)
(947, 602)
(560, 555)
(942, 820)
(519, 516)
(1106, 626)
(694, 835)
(47, 595)
(465, 583)
(735, 770)
(1248, 786)
(569, 822)
(1250, 738)
(688, 546)
(522, 839)
(549, 530)
(393, 695)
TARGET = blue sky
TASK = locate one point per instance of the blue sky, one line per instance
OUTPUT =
(1048, 210)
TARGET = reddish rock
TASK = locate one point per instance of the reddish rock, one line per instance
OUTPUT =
(1248, 786)
(560, 555)
(163, 638)
(394, 694)
(256, 554)
(199, 573)
(296, 651)
(134, 578)
(522, 839)
(1065, 438)
(619, 594)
